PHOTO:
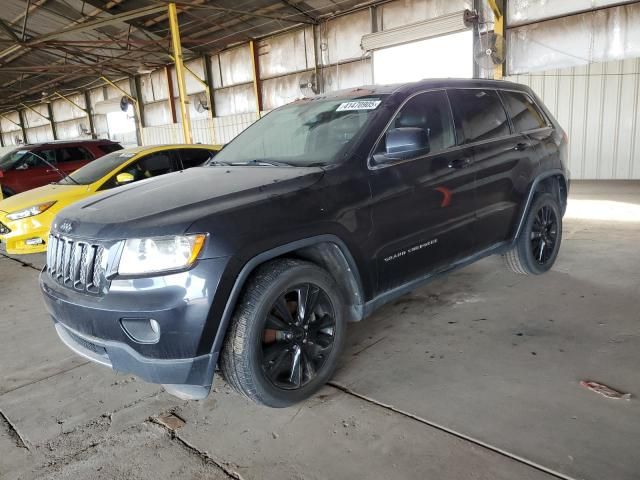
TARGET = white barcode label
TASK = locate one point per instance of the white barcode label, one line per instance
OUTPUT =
(359, 105)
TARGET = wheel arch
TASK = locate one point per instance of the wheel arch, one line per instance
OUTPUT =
(551, 181)
(327, 251)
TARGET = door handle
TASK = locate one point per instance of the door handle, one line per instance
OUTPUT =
(459, 163)
(521, 146)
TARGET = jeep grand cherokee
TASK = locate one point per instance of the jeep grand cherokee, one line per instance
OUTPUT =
(316, 215)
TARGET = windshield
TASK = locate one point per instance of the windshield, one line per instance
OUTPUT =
(11, 159)
(301, 134)
(95, 170)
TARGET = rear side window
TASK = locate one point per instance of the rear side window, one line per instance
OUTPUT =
(73, 154)
(525, 114)
(193, 157)
(109, 147)
(478, 115)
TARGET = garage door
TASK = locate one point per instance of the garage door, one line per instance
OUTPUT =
(445, 56)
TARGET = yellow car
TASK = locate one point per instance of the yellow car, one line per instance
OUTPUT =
(25, 219)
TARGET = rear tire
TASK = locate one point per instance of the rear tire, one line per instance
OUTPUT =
(286, 334)
(537, 247)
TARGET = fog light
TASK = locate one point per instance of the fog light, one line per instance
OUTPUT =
(34, 241)
(141, 330)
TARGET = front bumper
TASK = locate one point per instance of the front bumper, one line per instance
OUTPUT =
(95, 327)
(33, 229)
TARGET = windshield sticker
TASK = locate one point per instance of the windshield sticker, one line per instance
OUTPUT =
(359, 105)
(21, 152)
(127, 155)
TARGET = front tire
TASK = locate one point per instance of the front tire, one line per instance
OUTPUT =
(286, 334)
(537, 247)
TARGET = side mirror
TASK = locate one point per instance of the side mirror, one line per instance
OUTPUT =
(124, 178)
(23, 166)
(402, 143)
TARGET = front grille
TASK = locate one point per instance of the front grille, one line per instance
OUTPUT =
(4, 229)
(76, 264)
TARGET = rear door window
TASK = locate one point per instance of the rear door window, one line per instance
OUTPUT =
(73, 154)
(194, 157)
(525, 115)
(478, 115)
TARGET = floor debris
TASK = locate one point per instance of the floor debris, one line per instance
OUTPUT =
(604, 390)
(171, 421)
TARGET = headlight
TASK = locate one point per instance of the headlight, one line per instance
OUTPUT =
(161, 254)
(30, 212)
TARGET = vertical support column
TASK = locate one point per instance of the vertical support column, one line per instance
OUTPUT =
(497, 6)
(257, 87)
(208, 78)
(52, 121)
(24, 131)
(317, 41)
(89, 111)
(1, 141)
(134, 86)
(182, 89)
(172, 106)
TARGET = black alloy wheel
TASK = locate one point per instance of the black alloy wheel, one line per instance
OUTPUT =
(544, 234)
(298, 336)
(536, 248)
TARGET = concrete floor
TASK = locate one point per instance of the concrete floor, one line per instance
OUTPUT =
(472, 377)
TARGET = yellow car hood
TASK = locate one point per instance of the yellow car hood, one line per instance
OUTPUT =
(63, 194)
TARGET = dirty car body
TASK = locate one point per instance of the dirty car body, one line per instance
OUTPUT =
(378, 219)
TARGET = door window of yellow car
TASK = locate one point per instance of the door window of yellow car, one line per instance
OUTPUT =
(148, 166)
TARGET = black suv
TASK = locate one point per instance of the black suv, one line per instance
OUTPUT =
(316, 215)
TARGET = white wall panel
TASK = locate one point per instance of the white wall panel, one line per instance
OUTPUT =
(598, 105)
(286, 53)
(526, 11)
(341, 37)
(63, 110)
(348, 75)
(234, 67)
(39, 134)
(235, 100)
(72, 129)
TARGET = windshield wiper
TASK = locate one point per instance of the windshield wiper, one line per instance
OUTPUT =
(273, 163)
(217, 162)
(63, 175)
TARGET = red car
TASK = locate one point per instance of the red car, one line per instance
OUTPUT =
(35, 165)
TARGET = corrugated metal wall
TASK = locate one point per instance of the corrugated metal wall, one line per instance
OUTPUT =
(598, 105)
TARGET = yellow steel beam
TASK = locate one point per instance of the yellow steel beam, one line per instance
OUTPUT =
(182, 89)
(70, 101)
(198, 79)
(124, 92)
(36, 112)
(498, 28)
(257, 90)
(9, 120)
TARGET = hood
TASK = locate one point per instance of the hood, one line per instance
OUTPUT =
(40, 195)
(169, 204)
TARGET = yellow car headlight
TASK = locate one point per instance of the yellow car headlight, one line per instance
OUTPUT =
(142, 256)
(31, 211)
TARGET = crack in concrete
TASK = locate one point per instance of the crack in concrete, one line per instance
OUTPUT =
(44, 378)
(452, 432)
(21, 262)
(205, 456)
(13, 432)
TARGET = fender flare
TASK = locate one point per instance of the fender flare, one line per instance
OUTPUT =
(532, 189)
(270, 254)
